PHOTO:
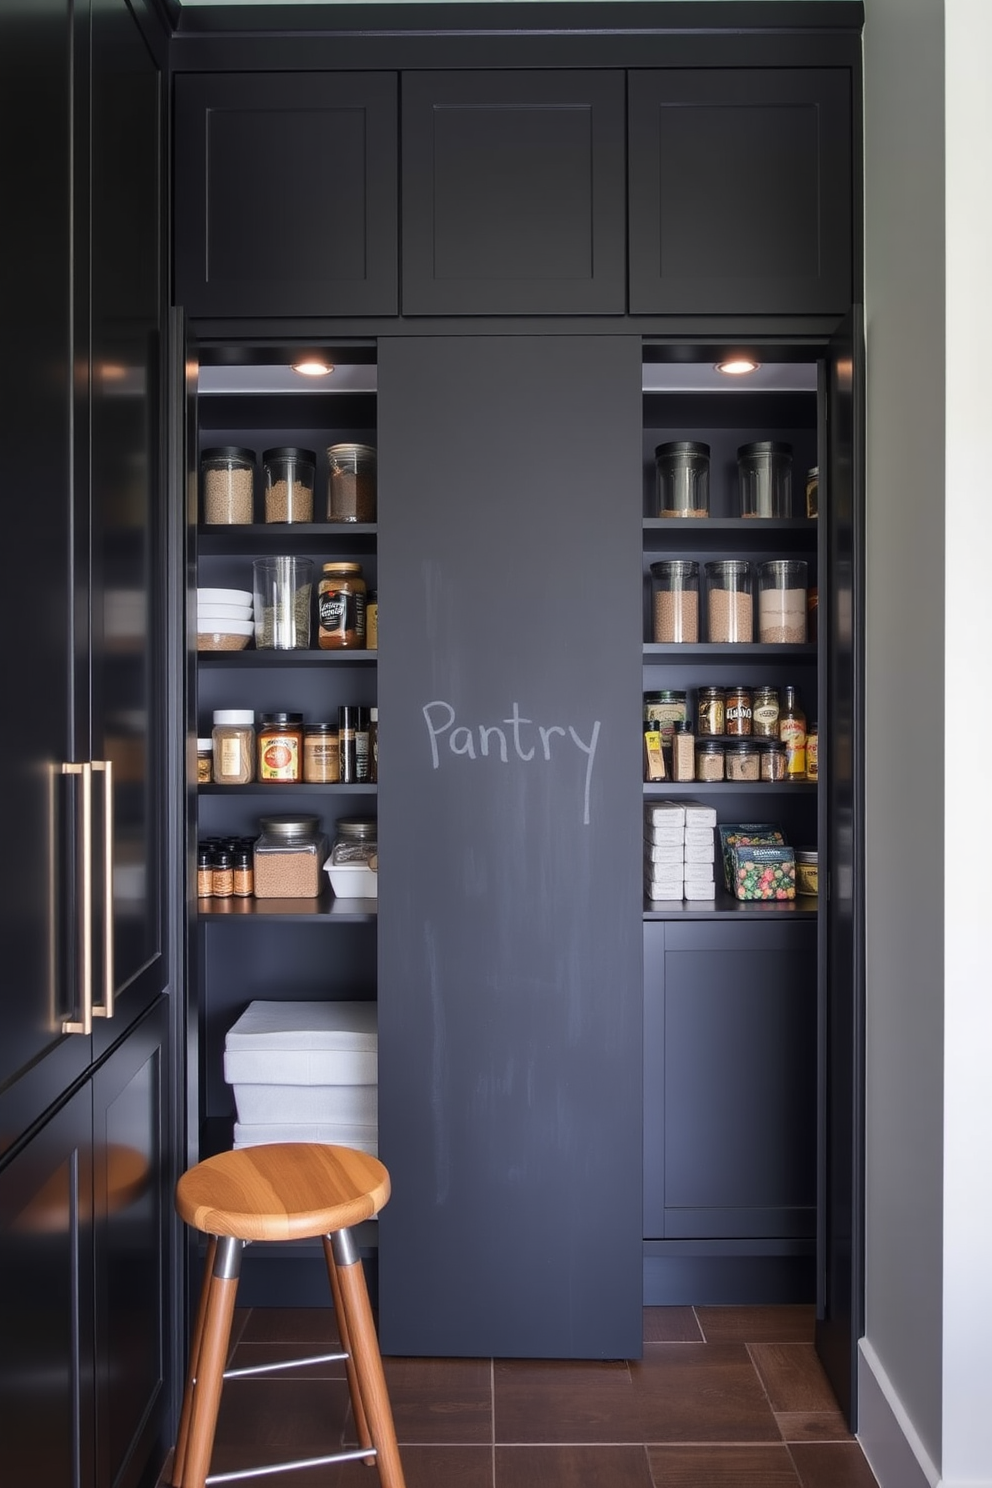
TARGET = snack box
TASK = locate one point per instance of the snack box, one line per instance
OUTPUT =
(762, 871)
(745, 834)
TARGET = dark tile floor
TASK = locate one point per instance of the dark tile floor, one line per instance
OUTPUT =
(724, 1397)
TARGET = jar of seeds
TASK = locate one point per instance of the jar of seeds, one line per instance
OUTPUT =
(289, 478)
(289, 857)
(228, 479)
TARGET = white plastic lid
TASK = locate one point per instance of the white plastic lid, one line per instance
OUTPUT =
(204, 744)
(234, 717)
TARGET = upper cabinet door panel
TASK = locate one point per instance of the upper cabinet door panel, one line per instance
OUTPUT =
(286, 190)
(513, 193)
(740, 191)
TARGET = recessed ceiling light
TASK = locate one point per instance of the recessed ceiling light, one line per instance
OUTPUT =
(737, 366)
(312, 368)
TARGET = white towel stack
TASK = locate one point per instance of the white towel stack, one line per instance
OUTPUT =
(679, 850)
(305, 1072)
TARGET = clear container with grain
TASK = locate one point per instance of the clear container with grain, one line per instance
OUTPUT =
(351, 483)
(289, 855)
(227, 474)
(709, 759)
(742, 760)
(729, 601)
(782, 602)
(289, 483)
(683, 478)
(676, 600)
(772, 759)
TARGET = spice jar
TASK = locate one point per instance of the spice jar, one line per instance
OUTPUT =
(228, 476)
(244, 872)
(807, 871)
(321, 756)
(289, 480)
(765, 477)
(351, 482)
(204, 761)
(204, 871)
(683, 751)
(280, 747)
(813, 491)
(764, 715)
(234, 746)
(341, 608)
(772, 759)
(782, 601)
(742, 760)
(729, 608)
(289, 856)
(683, 473)
(223, 874)
(709, 759)
(710, 710)
(738, 711)
(676, 600)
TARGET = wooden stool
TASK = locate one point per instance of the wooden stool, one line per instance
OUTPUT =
(286, 1191)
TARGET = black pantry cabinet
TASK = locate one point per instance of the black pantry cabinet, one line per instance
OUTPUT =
(89, 912)
(586, 1099)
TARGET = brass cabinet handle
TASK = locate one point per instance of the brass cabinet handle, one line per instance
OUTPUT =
(105, 1009)
(85, 925)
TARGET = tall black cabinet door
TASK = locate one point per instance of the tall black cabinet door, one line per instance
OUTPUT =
(740, 191)
(286, 187)
(510, 944)
(841, 1165)
(513, 193)
(123, 704)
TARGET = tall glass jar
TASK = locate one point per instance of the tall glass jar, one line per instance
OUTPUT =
(782, 602)
(765, 477)
(289, 479)
(289, 857)
(683, 476)
(351, 483)
(227, 473)
(676, 600)
(729, 603)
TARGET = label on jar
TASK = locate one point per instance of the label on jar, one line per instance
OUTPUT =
(341, 616)
(711, 717)
(766, 718)
(230, 757)
(279, 758)
(738, 713)
(794, 738)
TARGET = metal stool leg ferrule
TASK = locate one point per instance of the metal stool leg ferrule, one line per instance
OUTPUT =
(355, 1318)
(221, 1289)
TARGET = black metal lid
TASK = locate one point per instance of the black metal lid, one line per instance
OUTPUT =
(228, 452)
(681, 447)
(281, 720)
(289, 452)
(764, 447)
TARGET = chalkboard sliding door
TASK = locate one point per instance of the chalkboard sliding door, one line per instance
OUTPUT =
(510, 944)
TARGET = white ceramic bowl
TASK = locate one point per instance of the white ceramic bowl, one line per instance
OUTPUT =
(223, 635)
(223, 611)
(224, 596)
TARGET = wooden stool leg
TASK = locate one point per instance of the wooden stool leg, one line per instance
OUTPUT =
(179, 1456)
(219, 1313)
(357, 1315)
(361, 1424)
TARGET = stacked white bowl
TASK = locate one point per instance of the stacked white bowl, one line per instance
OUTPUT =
(223, 619)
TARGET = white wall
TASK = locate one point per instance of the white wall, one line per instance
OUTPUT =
(927, 1355)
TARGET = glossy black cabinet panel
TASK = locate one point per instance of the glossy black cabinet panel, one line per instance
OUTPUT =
(285, 190)
(740, 191)
(729, 1080)
(513, 193)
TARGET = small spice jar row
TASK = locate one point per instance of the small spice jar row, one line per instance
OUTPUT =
(283, 749)
(229, 477)
(286, 859)
(786, 605)
(742, 734)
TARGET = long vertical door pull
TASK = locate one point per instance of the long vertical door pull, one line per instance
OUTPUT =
(85, 917)
(105, 1009)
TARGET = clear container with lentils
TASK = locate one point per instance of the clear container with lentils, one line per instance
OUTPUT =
(289, 481)
(676, 600)
(227, 475)
(289, 857)
(351, 483)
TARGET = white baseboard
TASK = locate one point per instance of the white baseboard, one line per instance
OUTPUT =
(888, 1439)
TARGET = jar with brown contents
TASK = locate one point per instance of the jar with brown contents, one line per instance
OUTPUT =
(321, 754)
(280, 747)
(289, 857)
(341, 598)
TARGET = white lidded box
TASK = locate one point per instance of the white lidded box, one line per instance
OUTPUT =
(304, 1062)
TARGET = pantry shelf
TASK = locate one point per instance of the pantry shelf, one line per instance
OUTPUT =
(720, 651)
(326, 906)
(719, 534)
(726, 907)
(281, 659)
(287, 537)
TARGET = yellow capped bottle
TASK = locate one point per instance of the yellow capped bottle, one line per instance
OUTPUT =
(792, 732)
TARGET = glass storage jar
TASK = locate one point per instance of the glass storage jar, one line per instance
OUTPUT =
(765, 478)
(341, 596)
(354, 860)
(807, 871)
(772, 759)
(710, 710)
(676, 600)
(782, 602)
(709, 759)
(282, 587)
(729, 603)
(289, 481)
(204, 761)
(234, 746)
(666, 708)
(228, 476)
(280, 748)
(351, 483)
(738, 711)
(764, 713)
(813, 491)
(321, 756)
(742, 760)
(289, 856)
(683, 478)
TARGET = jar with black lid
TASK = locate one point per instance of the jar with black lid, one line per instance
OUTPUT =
(228, 475)
(683, 468)
(772, 759)
(742, 760)
(321, 754)
(341, 597)
(280, 748)
(764, 713)
(289, 483)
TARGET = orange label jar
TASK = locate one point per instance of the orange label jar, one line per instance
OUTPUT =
(280, 747)
(341, 598)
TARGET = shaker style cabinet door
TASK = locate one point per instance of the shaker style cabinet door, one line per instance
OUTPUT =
(740, 191)
(513, 193)
(285, 191)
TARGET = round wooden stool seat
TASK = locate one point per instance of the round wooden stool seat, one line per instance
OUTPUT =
(286, 1191)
